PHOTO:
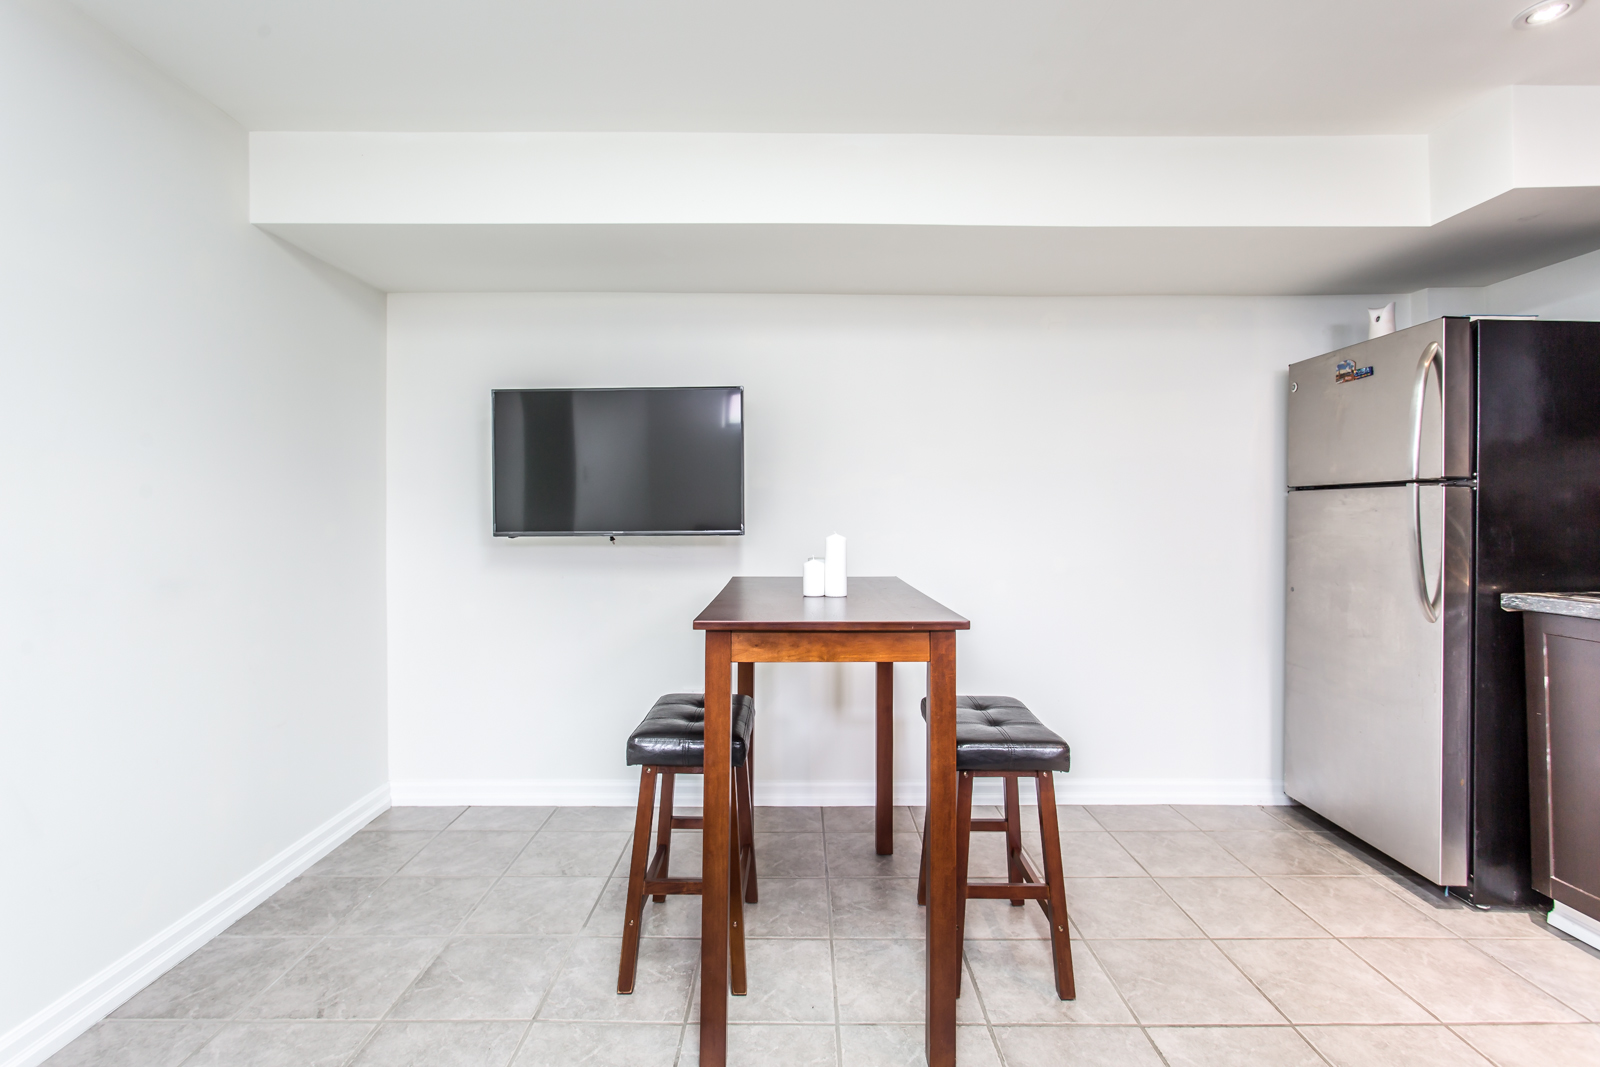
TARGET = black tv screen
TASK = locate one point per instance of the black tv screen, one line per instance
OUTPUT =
(614, 461)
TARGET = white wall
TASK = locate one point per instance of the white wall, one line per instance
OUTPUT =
(1569, 290)
(1096, 483)
(1566, 290)
(191, 537)
(437, 179)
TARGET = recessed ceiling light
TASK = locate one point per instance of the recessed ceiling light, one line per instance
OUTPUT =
(1545, 12)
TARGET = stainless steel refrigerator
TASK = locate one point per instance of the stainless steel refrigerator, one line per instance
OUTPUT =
(1428, 472)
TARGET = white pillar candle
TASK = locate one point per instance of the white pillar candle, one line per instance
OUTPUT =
(834, 582)
(814, 582)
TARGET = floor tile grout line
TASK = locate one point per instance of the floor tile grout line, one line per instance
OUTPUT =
(1291, 904)
(446, 939)
(1318, 843)
(833, 945)
(1309, 917)
(1115, 988)
(833, 956)
(1531, 981)
(444, 942)
(1312, 1045)
(1429, 1012)
(1502, 966)
(235, 1017)
(1160, 1055)
(1121, 996)
(533, 1016)
(983, 1006)
(521, 1040)
(1309, 874)
(1262, 993)
(688, 1011)
(1464, 1039)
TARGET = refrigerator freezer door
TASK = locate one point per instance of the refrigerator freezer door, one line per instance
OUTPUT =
(1375, 738)
(1353, 414)
(1538, 528)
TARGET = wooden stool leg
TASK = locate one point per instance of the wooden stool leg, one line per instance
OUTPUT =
(633, 911)
(1015, 872)
(963, 860)
(663, 858)
(1060, 935)
(736, 978)
(747, 833)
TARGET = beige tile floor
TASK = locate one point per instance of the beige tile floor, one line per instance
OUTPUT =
(1227, 936)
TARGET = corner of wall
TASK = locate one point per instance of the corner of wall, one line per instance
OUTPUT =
(1470, 156)
(1425, 304)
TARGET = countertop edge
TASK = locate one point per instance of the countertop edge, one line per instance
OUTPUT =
(1551, 604)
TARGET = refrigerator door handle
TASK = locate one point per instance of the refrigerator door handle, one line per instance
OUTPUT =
(1430, 358)
(1430, 602)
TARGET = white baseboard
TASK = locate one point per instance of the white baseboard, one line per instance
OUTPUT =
(624, 792)
(1267, 791)
(36, 1039)
(520, 792)
(1574, 922)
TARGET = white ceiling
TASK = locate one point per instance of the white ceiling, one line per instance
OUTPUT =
(1144, 67)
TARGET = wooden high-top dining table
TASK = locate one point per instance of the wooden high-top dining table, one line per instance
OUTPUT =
(882, 621)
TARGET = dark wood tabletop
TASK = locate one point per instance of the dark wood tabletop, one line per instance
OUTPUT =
(756, 604)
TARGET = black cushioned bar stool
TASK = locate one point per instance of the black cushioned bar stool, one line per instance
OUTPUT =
(672, 741)
(998, 737)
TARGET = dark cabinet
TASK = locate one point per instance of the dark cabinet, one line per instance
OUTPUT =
(1563, 664)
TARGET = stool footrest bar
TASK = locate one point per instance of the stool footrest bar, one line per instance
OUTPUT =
(1007, 891)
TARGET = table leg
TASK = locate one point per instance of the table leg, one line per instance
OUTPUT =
(944, 932)
(884, 824)
(715, 853)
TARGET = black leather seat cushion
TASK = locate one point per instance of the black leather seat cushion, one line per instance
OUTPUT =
(674, 733)
(1001, 734)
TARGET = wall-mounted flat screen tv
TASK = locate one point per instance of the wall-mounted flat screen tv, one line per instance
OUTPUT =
(618, 461)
